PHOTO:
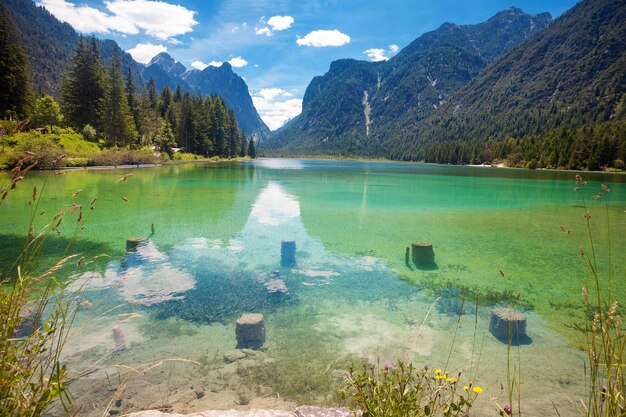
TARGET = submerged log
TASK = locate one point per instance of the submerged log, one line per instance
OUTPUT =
(288, 253)
(250, 331)
(422, 253)
(133, 243)
(507, 323)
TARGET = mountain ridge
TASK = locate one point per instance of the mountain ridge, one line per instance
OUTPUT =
(356, 102)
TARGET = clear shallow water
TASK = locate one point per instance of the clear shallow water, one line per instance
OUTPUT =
(215, 253)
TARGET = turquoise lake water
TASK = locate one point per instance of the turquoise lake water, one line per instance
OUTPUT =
(215, 232)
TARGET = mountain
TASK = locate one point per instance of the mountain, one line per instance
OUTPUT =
(165, 71)
(50, 44)
(221, 81)
(357, 104)
(573, 75)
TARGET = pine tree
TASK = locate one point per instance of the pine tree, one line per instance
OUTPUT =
(243, 144)
(219, 125)
(131, 98)
(251, 148)
(15, 90)
(118, 125)
(151, 122)
(233, 134)
(186, 124)
(83, 87)
(165, 100)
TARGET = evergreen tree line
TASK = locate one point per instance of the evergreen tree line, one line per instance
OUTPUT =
(107, 101)
(103, 103)
(591, 147)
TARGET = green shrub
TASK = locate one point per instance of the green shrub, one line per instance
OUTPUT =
(45, 149)
(121, 156)
(89, 133)
(8, 125)
(402, 390)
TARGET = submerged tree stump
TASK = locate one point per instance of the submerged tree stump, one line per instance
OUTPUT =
(133, 243)
(118, 339)
(422, 253)
(288, 253)
(507, 321)
(250, 331)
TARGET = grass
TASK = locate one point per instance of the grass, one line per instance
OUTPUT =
(36, 314)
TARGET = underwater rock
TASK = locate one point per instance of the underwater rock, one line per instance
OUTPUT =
(30, 319)
(118, 339)
(505, 320)
(422, 253)
(132, 243)
(250, 331)
(288, 253)
(234, 355)
(276, 285)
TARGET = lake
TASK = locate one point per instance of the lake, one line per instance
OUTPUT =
(214, 252)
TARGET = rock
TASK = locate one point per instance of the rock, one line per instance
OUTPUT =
(422, 253)
(276, 285)
(288, 253)
(234, 355)
(308, 411)
(505, 320)
(250, 331)
(118, 339)
(132, 243)
(30, 318)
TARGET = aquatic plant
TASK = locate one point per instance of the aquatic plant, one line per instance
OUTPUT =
(220, 296)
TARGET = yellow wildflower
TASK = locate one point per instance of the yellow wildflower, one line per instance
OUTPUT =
(466, 387)
(477, 390)
(451, 380)
(437, 371)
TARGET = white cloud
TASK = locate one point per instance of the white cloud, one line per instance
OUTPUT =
(263, 31)
(199, 65)
(276, 23)
(280, 22)
(320, 38)
(238, 62)
(144, 52)
(126, 17)
(393, 48)
(376, 54)
(276, 107)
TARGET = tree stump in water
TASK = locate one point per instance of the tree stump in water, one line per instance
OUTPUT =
(288, 253)
(422, 253)
(118, 339)
(507, 322)
(250, 331)
(133, 243)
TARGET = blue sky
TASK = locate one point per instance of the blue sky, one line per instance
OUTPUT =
(277, 46)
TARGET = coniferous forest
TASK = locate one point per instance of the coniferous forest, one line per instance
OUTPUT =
(103, 106)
